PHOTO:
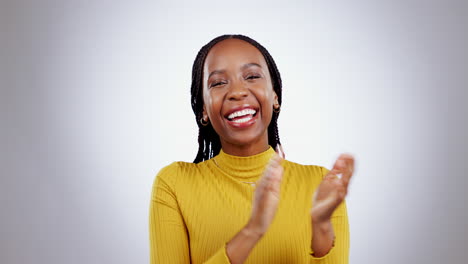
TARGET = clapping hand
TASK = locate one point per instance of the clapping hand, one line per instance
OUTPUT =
(333, 189)
(328, 196)
(267, 194)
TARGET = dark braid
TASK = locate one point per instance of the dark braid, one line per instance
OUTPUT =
(209, 144)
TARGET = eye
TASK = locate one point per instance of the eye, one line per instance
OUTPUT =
(252, 77)
(217, 83)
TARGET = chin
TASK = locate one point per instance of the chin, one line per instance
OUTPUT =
(247, 139)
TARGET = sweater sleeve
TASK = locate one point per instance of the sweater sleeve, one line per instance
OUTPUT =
(169, 240)
(339, 253)
(168, 234)
(220, 257)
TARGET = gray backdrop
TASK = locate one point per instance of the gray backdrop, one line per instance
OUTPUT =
(95, 100)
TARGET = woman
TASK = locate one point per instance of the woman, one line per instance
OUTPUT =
(240, 202)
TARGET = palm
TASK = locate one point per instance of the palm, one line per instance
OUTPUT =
(267, 195)
(332, 190)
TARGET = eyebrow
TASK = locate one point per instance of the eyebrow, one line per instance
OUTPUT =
(245, 66)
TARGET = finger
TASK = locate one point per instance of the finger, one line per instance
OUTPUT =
(349, 160)
(348, 168)
(272, 173)
(270, 184)
(331, 175)
(274, 184)
(279, 151)
(344, 166)
(338, 167)
(275, 160)
(328, 204)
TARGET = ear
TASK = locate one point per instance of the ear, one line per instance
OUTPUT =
(205, 114)
(275, 99)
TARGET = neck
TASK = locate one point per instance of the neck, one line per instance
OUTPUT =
(245, 150)
(248, 168)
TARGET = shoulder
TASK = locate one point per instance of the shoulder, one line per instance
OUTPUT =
(315, 170)
(169, 175)
(310, 175)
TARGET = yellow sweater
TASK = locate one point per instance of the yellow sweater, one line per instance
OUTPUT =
(197, 208)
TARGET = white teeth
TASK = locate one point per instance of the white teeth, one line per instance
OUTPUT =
(242, 113)
(242, 120)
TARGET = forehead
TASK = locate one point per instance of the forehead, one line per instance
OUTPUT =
(231, 53)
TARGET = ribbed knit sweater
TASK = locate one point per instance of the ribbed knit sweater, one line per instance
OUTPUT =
(197, 208)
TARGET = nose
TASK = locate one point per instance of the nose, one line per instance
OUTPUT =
(237, 91)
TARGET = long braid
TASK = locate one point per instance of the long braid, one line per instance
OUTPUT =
(209, 143)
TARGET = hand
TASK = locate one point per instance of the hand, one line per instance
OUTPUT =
(332, 191)
(266, 196)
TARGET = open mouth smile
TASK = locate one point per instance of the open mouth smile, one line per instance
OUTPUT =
(242, 117)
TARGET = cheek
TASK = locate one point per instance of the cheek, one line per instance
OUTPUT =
(213, 102)
(266, 94)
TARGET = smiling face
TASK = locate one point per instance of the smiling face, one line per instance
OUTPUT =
(238, 96)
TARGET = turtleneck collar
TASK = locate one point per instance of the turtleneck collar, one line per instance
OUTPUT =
(243, 167)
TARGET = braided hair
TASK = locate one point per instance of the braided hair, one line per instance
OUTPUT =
(209, 143)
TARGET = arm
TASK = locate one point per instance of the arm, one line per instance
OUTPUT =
(168, 234)
(330, 231)
(265, 204)
(237, 249)
(169, 242)
(338, 253)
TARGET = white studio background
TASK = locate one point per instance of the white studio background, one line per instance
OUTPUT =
(95, 100)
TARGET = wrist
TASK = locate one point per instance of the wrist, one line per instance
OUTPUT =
(322, 225)
(240, 246)
(319, 218)
(322, 237)
(251, 231)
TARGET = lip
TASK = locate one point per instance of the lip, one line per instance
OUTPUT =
(242, 125)
(239, 108)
